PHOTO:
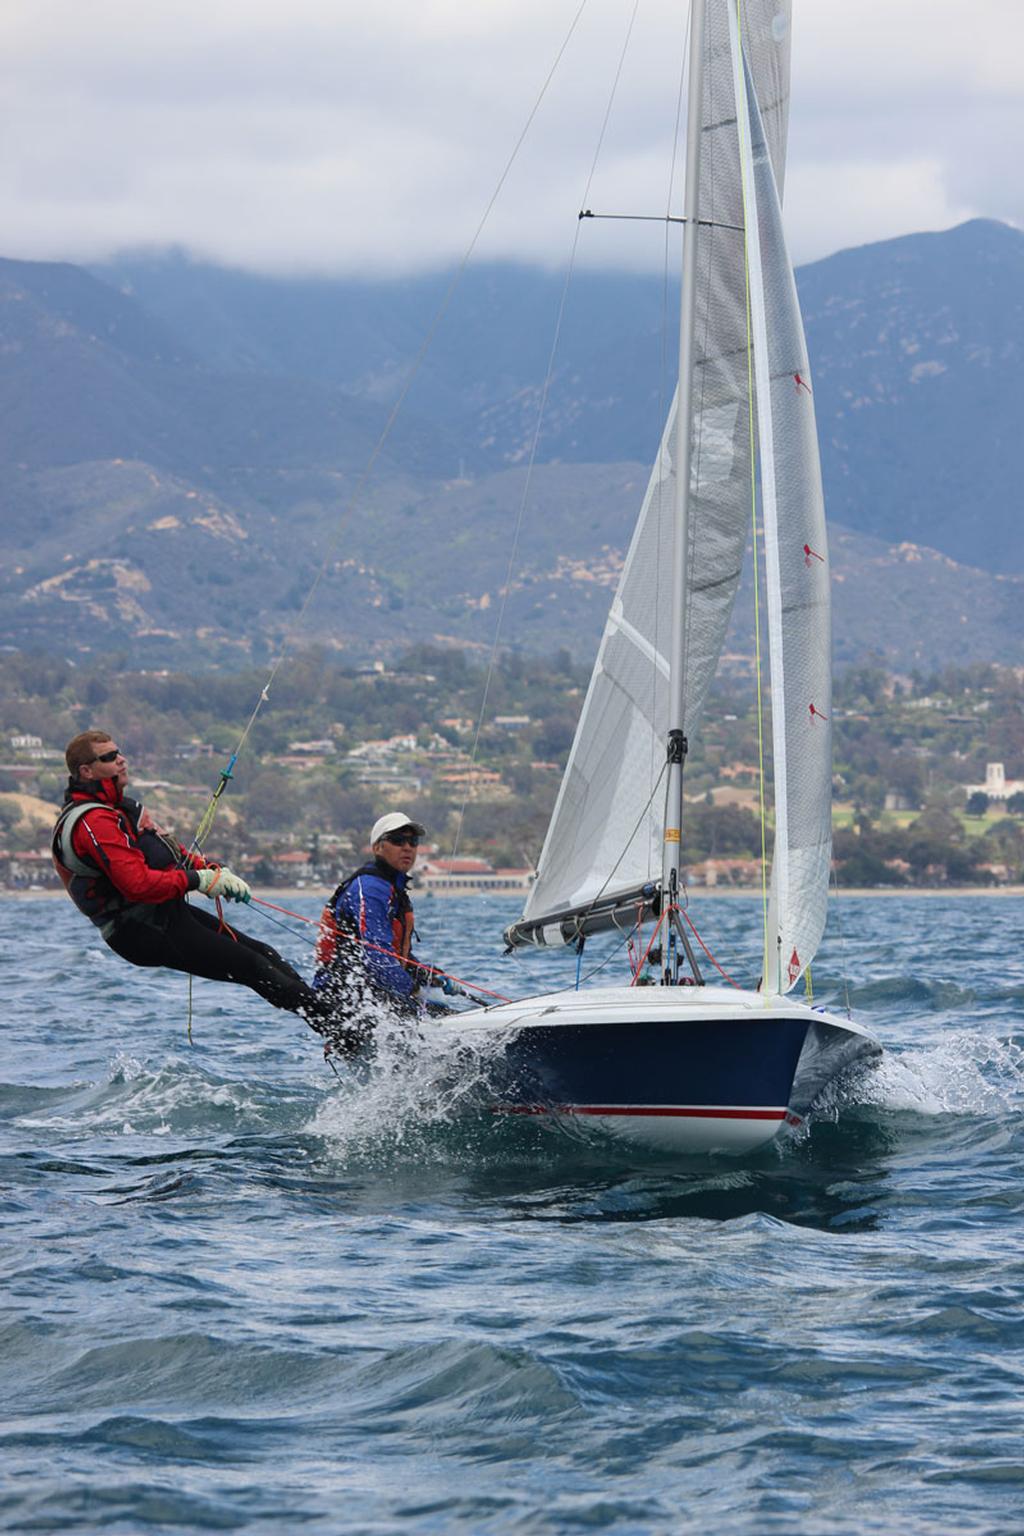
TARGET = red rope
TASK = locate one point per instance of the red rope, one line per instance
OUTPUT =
(667, 913)
(707, 951)
(472, 985)
(381, 950)
(223, 925)
(650, 946)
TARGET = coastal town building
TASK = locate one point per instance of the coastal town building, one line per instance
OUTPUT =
(996, 786)
(32, 746)
(476, 783)
(312, 748)
(460, 877)
(725, 871)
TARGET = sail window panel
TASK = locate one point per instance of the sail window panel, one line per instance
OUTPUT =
(645, 592)
(717, 444)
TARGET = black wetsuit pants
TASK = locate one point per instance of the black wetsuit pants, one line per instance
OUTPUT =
(184, 938)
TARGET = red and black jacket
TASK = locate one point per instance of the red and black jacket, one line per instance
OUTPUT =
(110, 869)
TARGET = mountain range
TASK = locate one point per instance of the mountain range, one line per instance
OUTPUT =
(184, 446)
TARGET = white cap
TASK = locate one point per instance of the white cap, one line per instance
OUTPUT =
(391, 823)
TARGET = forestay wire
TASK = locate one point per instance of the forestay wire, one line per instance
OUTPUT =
(538, 424)
(226, 774)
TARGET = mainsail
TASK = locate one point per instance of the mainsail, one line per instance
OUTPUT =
(797, 569)
(605, 836)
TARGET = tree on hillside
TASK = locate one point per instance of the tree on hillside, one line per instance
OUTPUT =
(554, 736)
(1005, 842)
(939, 821)
(271, 805)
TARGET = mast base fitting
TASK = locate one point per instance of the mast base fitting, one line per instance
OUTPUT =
(677, 746)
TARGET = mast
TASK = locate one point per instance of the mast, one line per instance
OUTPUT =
(676, 745)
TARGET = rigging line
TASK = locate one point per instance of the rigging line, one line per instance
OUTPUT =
(380, 949)
(531, 462)
(312, 940)
(650, 945)
(635, 218)
(612, 955)
(584, 914)
(843, 968)
(660, 218)
(296, 933)
(741, 123)
(378, 447)
(700, 941)
(626, 845)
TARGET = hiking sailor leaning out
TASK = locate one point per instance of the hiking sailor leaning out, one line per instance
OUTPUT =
(369, 919)
(131, 880)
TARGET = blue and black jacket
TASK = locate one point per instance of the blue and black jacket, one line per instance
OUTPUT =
(373, 906)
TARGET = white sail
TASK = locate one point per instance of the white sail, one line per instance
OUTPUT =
(606, 831)
(796, 566)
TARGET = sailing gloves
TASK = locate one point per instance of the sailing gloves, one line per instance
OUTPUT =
(428, 976)
(214, 882)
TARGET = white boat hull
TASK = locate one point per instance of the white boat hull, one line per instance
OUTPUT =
(687, 1070)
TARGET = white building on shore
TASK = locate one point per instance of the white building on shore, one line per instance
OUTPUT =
(997, 786)
(453, 877)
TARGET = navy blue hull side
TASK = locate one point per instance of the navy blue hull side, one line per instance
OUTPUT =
(742, 1063)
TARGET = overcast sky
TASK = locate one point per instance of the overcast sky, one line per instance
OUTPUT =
(329, 136)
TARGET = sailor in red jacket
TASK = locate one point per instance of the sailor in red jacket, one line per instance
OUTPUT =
(131, 881)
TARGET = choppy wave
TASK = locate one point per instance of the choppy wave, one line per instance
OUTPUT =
(243, 1293)
(913, 991)
(964, 1073)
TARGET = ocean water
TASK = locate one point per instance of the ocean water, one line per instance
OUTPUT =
(241, 1294)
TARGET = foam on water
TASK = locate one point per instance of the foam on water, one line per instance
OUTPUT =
(421, 1078)
(177, 1096)
(965, 1072)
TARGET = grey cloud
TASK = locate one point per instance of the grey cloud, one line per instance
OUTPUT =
(337, 137)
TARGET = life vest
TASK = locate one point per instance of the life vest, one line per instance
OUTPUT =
(333, 924)
(86, 881)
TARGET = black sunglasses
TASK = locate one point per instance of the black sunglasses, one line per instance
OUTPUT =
(403, 839)
(107, 757)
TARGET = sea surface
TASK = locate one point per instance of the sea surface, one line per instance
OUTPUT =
(243, 1294)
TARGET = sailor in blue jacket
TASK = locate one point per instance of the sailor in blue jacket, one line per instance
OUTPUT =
(373, 908)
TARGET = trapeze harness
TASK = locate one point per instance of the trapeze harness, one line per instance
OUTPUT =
(87, 883)
(333, 924)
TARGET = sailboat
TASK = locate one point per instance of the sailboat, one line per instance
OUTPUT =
(684, 1065)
